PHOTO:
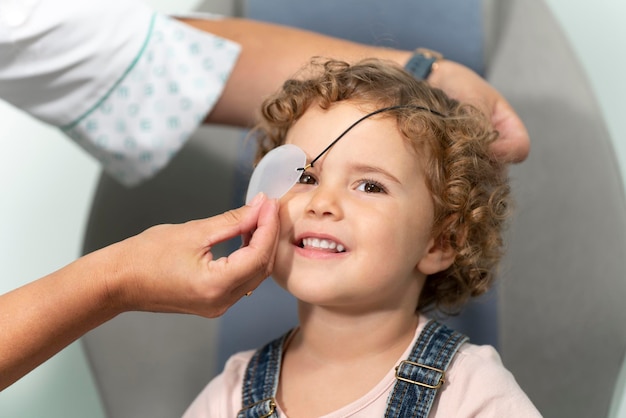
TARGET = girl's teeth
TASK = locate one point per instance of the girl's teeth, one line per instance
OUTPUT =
(323, 244)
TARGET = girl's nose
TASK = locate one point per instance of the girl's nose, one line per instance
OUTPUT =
(325, 201)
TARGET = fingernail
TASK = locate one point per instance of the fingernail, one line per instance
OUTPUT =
(257, 199)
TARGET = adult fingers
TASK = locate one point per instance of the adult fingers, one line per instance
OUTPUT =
(247, 267)
(231, 224)
(513, 143)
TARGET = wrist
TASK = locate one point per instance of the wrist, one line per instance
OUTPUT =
(109, 276)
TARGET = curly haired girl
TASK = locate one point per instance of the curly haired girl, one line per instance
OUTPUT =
(399, 209)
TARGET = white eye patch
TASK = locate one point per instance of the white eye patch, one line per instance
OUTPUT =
(277, 172)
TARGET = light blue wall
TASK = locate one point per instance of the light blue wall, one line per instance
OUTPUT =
(597, 33)
(45, 188)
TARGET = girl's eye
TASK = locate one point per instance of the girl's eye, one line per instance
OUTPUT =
(307, 178)
(370, 186)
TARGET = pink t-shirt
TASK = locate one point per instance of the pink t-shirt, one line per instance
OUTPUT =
(477, 385)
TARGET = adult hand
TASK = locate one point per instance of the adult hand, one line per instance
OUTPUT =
(463, 84)
(167, 268)
(171, 268)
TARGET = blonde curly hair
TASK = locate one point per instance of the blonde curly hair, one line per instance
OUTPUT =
(469, 188)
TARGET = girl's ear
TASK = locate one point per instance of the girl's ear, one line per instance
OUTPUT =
(440, 256)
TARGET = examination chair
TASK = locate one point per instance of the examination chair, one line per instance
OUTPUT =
(557, 315)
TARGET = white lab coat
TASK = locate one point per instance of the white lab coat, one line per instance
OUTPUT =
(129, 85)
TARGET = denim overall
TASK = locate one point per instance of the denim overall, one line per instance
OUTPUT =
(417, 378)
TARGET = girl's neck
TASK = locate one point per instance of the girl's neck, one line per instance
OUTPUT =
(335, 359)
(335, 336)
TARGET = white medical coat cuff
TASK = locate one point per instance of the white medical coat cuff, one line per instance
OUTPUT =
(149, 113)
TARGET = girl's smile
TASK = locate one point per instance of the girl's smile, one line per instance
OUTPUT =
(317, 243)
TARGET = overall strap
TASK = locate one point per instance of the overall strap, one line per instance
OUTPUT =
(261, 381)
(420, 376)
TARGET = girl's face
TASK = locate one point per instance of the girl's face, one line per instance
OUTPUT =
(356, 228)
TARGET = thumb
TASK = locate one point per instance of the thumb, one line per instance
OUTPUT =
(239, 221)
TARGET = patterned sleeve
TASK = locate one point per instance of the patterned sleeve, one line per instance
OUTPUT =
(127, 84)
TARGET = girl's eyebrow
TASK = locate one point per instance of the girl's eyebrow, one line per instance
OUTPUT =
(368, 168)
